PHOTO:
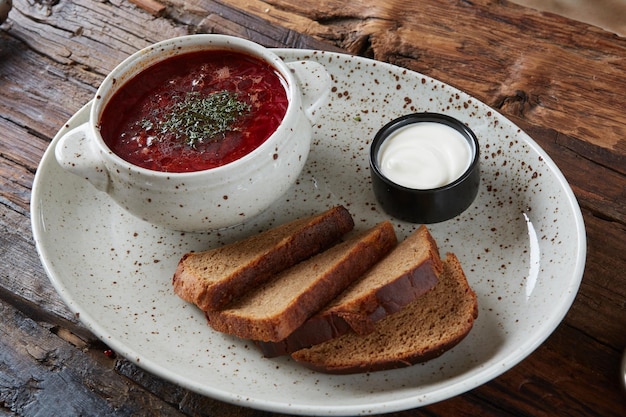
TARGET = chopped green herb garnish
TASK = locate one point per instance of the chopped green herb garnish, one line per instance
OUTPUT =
(200, 118)
(147, 124)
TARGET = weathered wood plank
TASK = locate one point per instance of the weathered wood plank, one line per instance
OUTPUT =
(41, 374)
(151, 6)
(600, 297)
(38, 94)
(94, 44)
(263, 26)
(607, 14)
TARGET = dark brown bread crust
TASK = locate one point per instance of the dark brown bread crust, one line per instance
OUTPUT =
(330, 272)
(308, 237)
(360, 315)
(421, 331)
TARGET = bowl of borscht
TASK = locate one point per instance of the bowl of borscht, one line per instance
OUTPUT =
(198, 132)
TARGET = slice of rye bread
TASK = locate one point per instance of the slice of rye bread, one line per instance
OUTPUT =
(275, 309)
(408, 272)
(213, 278)
(421, 331)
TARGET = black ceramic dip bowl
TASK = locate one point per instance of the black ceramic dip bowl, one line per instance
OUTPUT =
(425, 167)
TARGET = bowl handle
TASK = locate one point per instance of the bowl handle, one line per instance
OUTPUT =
(314, 82)
(77, 153)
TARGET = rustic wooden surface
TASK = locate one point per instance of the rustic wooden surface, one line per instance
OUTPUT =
(562, 81)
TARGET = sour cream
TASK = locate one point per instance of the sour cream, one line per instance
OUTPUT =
(424, 155)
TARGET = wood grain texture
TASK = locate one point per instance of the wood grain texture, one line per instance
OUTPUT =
(607, 14)
(561, 81)
(43, 374)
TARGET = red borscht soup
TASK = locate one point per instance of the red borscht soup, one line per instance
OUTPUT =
(194, 111)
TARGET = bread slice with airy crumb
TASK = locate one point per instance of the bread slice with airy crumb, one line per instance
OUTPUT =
(274, 310)
(213, 278)
(423, 330)
(405, 274)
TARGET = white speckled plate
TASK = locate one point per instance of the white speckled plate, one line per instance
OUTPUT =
(522, 244)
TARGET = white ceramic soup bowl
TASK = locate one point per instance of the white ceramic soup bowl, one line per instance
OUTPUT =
(213, 198)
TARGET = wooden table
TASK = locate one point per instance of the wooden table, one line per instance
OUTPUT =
(561, 81)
